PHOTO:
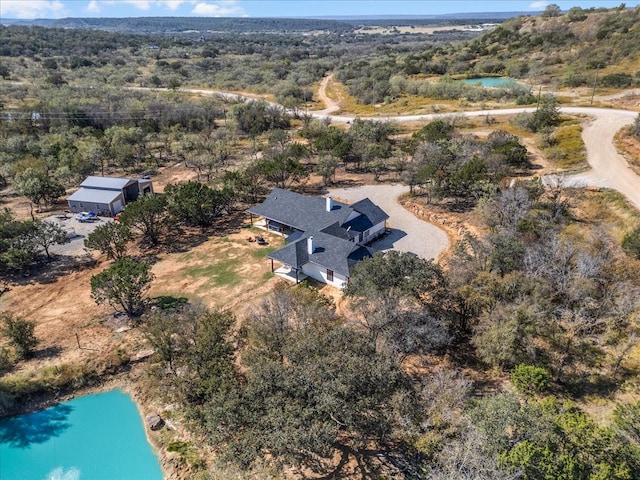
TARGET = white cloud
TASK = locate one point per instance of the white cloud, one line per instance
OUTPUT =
(141, 4)
(169, 4)
(146, 5)
(539, 5)
(32, 9)
(218, 9)
(175, 4)
(93, 7)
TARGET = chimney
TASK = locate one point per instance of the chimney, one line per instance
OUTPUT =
(329, 204)
(310, 245)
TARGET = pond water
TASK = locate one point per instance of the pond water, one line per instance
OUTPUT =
(95, 437)
(491, 81)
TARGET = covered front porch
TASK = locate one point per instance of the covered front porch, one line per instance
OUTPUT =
(272, 226)
(288, 273)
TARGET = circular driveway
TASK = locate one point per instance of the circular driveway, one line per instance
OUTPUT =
(408, 233)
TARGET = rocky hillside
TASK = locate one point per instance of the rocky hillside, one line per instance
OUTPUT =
(568, 46)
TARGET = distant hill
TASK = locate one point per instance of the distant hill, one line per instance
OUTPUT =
(154, 25)
(570, 47)
(447, 16)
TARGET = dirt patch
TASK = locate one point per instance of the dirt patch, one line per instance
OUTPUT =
(61, 307)
(222, 271)
(173, 173)
(629, 146)
(225, 272)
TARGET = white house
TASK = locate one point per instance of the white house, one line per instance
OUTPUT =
(325, 238)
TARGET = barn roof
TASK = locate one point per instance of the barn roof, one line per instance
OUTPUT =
(107, 183)
(92, 195)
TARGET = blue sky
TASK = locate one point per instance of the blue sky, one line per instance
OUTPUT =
(30, 9)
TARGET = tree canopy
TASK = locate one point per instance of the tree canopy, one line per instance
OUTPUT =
(123, 286)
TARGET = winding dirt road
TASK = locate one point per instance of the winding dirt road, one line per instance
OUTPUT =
(608, 168)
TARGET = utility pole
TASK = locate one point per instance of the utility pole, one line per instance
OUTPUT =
(595, 82)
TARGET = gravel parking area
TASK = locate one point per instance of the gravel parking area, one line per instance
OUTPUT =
(77, 231)
(408, 233)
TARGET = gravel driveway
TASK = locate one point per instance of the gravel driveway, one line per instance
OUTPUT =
(408, 233)
(76, 233)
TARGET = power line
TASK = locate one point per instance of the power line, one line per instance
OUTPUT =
(103, 115)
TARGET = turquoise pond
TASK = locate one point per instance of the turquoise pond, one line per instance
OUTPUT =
(95, 437)
(491, 81)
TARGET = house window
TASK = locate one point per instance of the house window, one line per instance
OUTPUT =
(329, 275)
(366, 234)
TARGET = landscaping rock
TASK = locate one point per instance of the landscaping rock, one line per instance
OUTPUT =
(154, 421)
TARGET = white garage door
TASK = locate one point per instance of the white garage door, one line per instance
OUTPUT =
(117, 206)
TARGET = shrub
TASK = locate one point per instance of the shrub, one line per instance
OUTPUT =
(6, 361)
(617, 80)
(529, 379)
(631, 243)
(20, 334)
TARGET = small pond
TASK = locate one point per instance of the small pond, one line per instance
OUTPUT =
(95, 437)
(495, 82)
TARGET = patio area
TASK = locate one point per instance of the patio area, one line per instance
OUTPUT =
(289, 274)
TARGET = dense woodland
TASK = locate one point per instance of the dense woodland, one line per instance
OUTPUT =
(483, 366)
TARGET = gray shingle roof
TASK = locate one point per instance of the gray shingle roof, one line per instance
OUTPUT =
(331, 230)
(330, 252)
(369, 209)
(293, 254)
(300, 211)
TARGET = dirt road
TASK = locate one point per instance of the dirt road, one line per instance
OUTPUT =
(408, 233)
(331, 105)
(608, 168)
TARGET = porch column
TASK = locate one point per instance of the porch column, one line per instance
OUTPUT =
(297, 281)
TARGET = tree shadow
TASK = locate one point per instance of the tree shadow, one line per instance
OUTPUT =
(338, 469)
(49, 352)
(39, 427)
(364, 464)
(49, 272)
(183, 239)
(169, 302)
(580, 386)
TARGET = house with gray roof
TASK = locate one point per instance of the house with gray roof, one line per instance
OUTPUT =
(325, 238)
(107, 195)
